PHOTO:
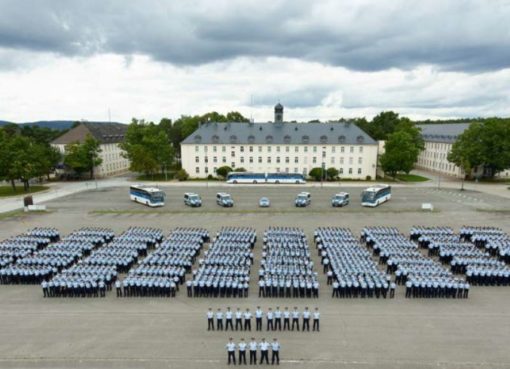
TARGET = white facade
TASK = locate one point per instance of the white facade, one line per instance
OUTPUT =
(352, 161)
(435, 159)
(113, 163)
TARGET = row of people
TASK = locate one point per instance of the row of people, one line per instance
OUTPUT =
(276, 320)
(253, 347)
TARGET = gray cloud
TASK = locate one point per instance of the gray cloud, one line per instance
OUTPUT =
(454, 35)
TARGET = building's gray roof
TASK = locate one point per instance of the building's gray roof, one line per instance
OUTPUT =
(103, 132)
(279, 133)
(442, 132)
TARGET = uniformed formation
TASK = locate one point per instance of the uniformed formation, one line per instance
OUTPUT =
(162, 271)
(286, 269)
(275, 320)
(349, 267)
(225, 269)
(423, 277)
(253, 347)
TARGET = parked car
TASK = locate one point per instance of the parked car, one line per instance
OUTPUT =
(264, 202)
(192, 199)
(224, 199)
(340, 199)
(303, 199)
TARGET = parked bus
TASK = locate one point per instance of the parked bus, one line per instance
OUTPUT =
(376, 195)
(275, 178)
(149, 196)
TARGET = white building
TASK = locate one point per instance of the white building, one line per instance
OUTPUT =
(109, 135)
(280, 147)
(439, 139)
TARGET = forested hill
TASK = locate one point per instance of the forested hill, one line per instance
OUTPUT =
(60, 125)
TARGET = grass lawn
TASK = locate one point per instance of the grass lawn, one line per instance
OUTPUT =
(6, 191)
(411, 178)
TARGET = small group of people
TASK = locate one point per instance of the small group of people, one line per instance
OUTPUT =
(276, 320)
(225, 269)
(253, 347)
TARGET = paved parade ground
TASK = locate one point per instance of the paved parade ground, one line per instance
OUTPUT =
(116, 332)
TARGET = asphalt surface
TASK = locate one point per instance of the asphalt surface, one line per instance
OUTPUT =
(171, 333)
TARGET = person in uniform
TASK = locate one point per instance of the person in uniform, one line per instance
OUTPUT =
(242, 352)
(247, 320)
(264, 347)
(295, 318)
(228, 319)
(306, 320)
(316, 317)
(253, 351)
(286, 319)
(118, 288)
(269, 317)
(239, 319)
(231, 351)
(210, 320)
(219, 320)
(277, 319)
(275, 356)
(258, 318)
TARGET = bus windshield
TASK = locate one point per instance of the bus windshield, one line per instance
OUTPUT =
(368, 196)
(158, 196)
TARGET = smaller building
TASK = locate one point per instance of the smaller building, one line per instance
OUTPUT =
(110, 135)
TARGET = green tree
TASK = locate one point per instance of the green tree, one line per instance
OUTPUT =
(316, 173)
(223, 171)
(400, 153)
(383, 125)
(83, 157)
(240, 169)
(181, 175)
(332, 174)
(485, 144)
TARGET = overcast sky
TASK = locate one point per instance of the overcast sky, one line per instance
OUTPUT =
(63, 59)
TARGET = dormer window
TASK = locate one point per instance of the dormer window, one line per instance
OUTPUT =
(341, 139)
(305, 139)
(324, 139)
(286, 139)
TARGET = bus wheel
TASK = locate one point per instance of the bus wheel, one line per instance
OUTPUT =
(235, 182)
(254, 182)
(297, 182)
(277, 182)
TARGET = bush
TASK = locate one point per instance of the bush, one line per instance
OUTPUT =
(316, 173)
(368, 178)
(332, 174)
(210, 177)
(181, 175)
(240, 169)
(223, 171)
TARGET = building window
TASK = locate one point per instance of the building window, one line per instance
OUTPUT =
(278, 159)
(197, 170)
(314, 160)
(251, 148)
(205, 148)
(360, 160)
(269, 149)
(206, 159)
(333, 149)
(296, 149)
(295, 170)
(232, 165)
(278, 170)
(277, 148)
(215, 159)
(350, 160)
(361, 149)
(251, 159)
(214, 148)
(287, 160)
(359, 170)
(324, 154)
(260, 148)
(224, 159)
(342, 149)
(315, 149)
(260, 159)
(286, 170)
(269, 160)
(332, 160)
(233, 154)
(197, 148)
(242, 159)
(341, 170)
(224, 149)
(352, 149)
(206, 170)
(296, 160)
(306, 148)
(242, 148)
(197, 159)
(350, 170)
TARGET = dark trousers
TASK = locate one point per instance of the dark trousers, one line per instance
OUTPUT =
(119, 292)
(253, 357)
(239, 324)
(286, 324)
(228, 322)
(258, 324)
(295, 321)
(210, 324)
(270, 324)
(316, 325)
(219, 324)
(247, 324)
(232, 356)
(242, 357)
(275, 357)
(263, 355)
(306, 324)
(278, 324)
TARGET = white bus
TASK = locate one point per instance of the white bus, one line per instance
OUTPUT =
(376, 195)
(150, 196)
(274, 178)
